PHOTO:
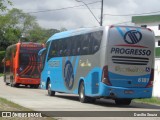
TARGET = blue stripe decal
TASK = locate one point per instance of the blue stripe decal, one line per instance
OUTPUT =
(127, 29)
(76, 65)
(66, 59)
(72, 58)
(138, 29)
(120, 31)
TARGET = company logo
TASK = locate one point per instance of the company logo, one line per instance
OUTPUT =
(69, 75)
(132, 37)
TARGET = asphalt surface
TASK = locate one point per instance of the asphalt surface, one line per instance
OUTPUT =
(38, 100)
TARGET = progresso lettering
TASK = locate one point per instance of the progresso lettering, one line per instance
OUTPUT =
(130, 51)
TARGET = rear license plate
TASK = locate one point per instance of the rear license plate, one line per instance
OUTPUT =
(128, 91)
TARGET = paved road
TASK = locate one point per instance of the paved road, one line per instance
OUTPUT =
(38, 100)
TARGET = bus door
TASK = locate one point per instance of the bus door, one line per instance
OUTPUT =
(54, 65)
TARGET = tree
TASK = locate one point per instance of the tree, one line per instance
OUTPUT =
(3, 7)
(39, 34)
(16, 24)
(63, 29)
(19, 20)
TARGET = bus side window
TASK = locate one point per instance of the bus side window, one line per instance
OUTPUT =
(96, 37)
(68, 47)
(53, 50)
(73, 47)
(78, 47)
(90, 43)
(85, 44)
(60, 46)
(64, 44)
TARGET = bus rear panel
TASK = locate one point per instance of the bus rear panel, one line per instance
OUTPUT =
(129, 63)
(24, 66)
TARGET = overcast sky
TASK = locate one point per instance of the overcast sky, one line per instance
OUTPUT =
(80, 16)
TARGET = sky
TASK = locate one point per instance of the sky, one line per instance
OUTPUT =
(77, 17)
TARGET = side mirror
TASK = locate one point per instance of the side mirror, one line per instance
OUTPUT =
(41, 58)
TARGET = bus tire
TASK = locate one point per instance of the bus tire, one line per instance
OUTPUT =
(50, 92)
(123, 101)
(82, 97)
(36, 86)
(92, 100)
(7, 83)
(12, 84)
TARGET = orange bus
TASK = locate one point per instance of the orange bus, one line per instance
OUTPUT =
(21, 64)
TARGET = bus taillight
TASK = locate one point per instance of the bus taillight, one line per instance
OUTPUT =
(105, 78)
(150, 83)
(18, 71)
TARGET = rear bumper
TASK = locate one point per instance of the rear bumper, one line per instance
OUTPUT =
(28, 81)
(121, 92)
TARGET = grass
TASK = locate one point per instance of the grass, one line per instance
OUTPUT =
(153, 100)
(1, 74)
(6, 105)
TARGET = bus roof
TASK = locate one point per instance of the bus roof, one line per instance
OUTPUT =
(73, 32)
(79, 31)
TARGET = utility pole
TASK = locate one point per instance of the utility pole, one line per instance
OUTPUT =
(101, 19)
(101, 22)
(89, 10)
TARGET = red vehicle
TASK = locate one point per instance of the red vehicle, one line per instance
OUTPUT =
(21, 64)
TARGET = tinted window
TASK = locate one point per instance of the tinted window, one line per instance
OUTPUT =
(53, 52)
(85, 44)
(29, 55)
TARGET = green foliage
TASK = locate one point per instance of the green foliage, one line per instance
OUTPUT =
(146, 19)
(152, 100)
(41, 35)
(2, 6)
(12, 105)
(157, 52)
(2, 54)
(1, 74)
(17, 25)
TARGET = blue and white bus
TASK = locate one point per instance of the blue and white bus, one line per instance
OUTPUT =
(114, 62)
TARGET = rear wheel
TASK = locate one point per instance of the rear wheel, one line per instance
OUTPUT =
(7, 83)
(12, 84)
(50, 92)
(123, 101)
(82, 97)
(34, 86)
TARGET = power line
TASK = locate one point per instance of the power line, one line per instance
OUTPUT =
(89, 10)
(49, 10)
(146, 13)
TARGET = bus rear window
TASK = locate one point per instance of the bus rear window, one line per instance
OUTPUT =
(28, 56)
